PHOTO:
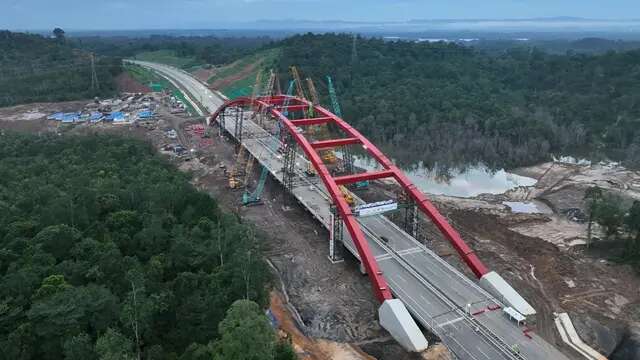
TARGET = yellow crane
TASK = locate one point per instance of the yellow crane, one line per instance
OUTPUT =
(312, 91)
(256, 90)
(234, 174)
(271, 83)
(299, 89)
(248, 171)
(328, 156)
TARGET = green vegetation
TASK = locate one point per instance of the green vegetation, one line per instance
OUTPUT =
(178, 51)
(246, 335)
(168, 57)
(445, 104)
(619, 221)
(107, 252)
(239, 78)
(34, 68)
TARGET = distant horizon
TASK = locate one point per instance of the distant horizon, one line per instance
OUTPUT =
(199, 14)
(289, 24)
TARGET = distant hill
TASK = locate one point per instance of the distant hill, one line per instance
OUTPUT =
(35, 68)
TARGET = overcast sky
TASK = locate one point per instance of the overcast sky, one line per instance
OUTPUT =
(150, 14)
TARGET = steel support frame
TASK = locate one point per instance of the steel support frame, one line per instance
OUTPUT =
(239, 124)
(379, 284)
(336, 237)
(222, 123)
(289, 168)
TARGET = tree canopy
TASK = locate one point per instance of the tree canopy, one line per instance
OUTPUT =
(443, 103)
(107, 252)
(34, 68)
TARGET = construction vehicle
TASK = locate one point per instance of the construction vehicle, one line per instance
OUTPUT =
(329, 156)
(347, 195)
(361, 185)
(254, 198)
(310, 171)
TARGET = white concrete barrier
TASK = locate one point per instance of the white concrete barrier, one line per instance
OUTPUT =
(570, 336)
(498, 287)
(395, 318)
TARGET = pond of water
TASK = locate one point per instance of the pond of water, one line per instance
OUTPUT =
(466, 183)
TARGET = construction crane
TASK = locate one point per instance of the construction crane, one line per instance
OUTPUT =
(334, 98)
(234, 181)
(328, 156)
(266, 91)
(250, 198)
(315, 100)
(247, 172)
(278, 135)
(269, 90)
(285, 112)
(338, 111)
(298, 82)
(256, 90)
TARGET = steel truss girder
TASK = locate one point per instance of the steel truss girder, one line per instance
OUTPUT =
(374, 175)
(329, 144)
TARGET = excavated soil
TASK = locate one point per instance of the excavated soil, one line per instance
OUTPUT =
(126, 83)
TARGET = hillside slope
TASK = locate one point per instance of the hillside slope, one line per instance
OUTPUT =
(34, 68)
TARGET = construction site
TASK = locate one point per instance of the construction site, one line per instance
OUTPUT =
(578, 305)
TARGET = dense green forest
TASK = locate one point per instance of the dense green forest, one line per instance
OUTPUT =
(442, 103)
(107, 252)
(34, 68)
(197, 49)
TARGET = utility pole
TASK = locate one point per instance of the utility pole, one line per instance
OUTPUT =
(94, 77)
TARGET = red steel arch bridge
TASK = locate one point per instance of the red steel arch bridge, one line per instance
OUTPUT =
(278, 106)
(412, 283)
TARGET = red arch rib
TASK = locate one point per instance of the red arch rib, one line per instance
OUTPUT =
(273, 105)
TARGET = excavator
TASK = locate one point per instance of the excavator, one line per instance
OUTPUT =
(254, 198)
